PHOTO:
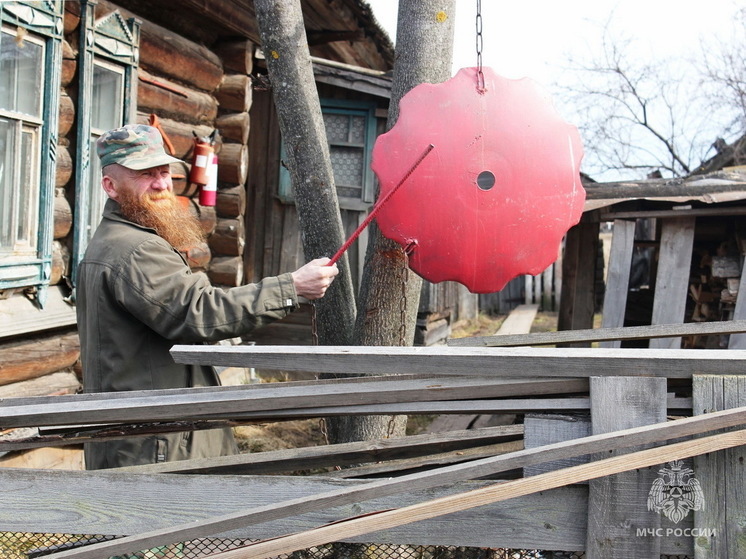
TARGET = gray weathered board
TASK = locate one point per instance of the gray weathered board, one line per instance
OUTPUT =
(672, 278)
(432, 478)
(721, 475)
(608, 334)
(617, 277)
(520, 362)
(617, 505)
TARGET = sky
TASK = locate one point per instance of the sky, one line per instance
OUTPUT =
(534, 38)
(537, 38)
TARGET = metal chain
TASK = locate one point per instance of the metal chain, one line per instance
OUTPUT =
(480, 45)
(403, 301)
(391, 427)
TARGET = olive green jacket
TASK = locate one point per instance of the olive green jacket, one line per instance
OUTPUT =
(136, 297)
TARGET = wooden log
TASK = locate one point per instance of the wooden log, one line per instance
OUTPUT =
(53, 384)
(229, 237)
(180, 134)
(63, 214)
(166, 53)
(71, 17)
(206, 215)
(489, 362)
(27, 359)
(233, 163)
(237, 55)
(69, 64)
(170, 100)
(67, 114)
(179, 178)
(226, 270)
(60, 262)
(672, 278)
(231, 202)
(64, 168)
(618, 504)
(721, 475)
(234, 127)
(198, 257)
(234, 93)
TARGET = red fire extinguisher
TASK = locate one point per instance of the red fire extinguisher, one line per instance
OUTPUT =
(204, 170)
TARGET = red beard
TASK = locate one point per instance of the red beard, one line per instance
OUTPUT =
(162, 211)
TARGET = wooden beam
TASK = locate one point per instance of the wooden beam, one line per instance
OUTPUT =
(293, 459)
(264, 400)
(480, 497)
(672, 278)
(422, 480)
(471, 361)
(605, 334)
(696, 185)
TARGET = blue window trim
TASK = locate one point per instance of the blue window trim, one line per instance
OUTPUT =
(365, 109)
(44, 20)
(116, 41)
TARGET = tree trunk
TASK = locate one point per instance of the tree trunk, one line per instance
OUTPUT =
(299, 112)
(424, 51)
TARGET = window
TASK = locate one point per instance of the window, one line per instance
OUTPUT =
(351, 133)
(107, 102)
(107, 74)
(30, 38)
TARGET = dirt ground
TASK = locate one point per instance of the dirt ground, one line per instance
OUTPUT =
(297, 434)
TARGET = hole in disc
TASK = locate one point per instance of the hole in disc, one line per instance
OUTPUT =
(486, 180)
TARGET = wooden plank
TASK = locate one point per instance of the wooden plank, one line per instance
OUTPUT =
(479, 497)
(664, 214)
(105, 502)
(618, 504)
(412, 482)
(672, 279)
(577, 302)
(231, 402)
(738, 341)
(721, 475)
(605, 334)
(518, 321)
(293, 459)
(617, 277)
(469, 361)
(543, 429)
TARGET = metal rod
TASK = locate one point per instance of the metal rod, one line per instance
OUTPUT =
(377, 207)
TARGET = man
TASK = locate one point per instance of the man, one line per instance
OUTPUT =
(137, 297)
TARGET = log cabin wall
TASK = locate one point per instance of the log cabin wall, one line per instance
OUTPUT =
(195, 75)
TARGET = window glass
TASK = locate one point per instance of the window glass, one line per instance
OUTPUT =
(21, 96)
(21, 66)
(107, 102)
(7, 148)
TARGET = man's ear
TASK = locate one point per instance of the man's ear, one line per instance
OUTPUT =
(108, 185)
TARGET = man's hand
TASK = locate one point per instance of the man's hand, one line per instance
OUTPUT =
(312, 280)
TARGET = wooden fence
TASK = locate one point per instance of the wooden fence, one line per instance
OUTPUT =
(602, 427)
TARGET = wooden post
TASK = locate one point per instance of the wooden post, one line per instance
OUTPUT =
(617, 279)
(617, 505)
(720, 531)
(672, 279)
(738, 341)
(577, 301)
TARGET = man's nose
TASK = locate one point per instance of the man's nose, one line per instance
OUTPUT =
(160, 183)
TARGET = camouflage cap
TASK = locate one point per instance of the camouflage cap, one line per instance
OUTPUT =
(135, 146)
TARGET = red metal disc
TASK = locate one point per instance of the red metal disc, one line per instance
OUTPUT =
(495, 196)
